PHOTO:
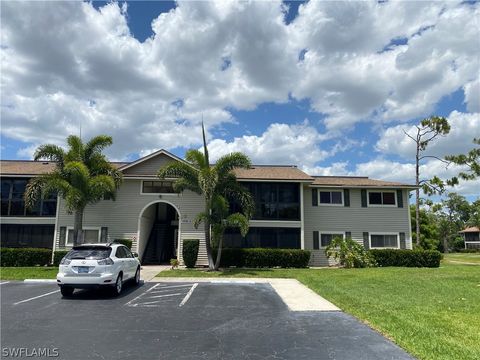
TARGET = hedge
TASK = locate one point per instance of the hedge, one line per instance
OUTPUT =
(262, 257)
(407, 258)
(126, 242)
(190, 252)
(25, 256)
(58, 256)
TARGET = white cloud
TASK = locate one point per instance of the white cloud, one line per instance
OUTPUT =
(464, 127)
(65, 63)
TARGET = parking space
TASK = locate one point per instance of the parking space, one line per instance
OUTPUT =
(181, 321)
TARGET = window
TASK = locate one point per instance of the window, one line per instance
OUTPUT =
(273, 201)
(89, 253)
(326, 239)
(382, 198)
(12, 203)
(157, 187)
(331, 197)
(384, 241)
(120, 253)
(90, 236)
(33, 236)
(278, 238)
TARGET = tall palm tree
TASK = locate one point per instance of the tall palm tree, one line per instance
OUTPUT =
(82, 176)
(216, 183)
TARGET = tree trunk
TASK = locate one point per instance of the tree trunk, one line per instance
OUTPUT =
(77, 228)
(219, 252)
(208, 246)
(417, 196)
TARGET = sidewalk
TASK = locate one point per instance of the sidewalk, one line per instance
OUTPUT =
(148, 272)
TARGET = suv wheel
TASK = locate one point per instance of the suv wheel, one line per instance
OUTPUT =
(117, 289)
(137, 276)
(66, 291)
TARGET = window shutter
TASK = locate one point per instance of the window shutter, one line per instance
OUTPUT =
(314, 197)
(62, 237)
(399, 198)
(104, 234)
(364, 198)
(316, 244)
(403, 243)
(366, 245)
(346, 197)
(348, 234)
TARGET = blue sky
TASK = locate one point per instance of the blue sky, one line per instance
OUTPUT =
(328, 86)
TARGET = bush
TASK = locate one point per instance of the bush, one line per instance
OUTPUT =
(58, 256)
(407, 258)
(262, 257)
(190, 252)
(457, 243)
(126, 242)
(25, 256)
(349, 253)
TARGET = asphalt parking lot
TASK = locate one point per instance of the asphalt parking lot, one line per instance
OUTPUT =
(180, 321)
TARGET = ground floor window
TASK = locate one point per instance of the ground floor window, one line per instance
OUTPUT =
(326, 239)
(263, 237)
(90, 235)
(20, 235)
(384, 241)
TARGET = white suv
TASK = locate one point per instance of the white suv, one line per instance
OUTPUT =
(97, 265)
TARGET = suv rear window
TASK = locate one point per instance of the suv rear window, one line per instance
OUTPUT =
(89, 253)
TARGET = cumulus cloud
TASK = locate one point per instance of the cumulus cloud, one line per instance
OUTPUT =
(464, 127)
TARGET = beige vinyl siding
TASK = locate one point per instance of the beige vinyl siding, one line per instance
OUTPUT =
(28, 220)
(150, 166)
(122, 215)
(355, 219)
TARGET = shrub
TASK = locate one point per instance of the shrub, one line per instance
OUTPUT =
(349, 253)
(190, 252)
(126, 242)
(262, 257)
(174, 263)
(407, 258)
(458, 243)
(25, 256)
(469, 250)
(58, 256)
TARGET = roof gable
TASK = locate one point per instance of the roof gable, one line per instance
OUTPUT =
(150, 164)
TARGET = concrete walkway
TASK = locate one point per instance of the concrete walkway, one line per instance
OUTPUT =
(293, 293)
(148, 272)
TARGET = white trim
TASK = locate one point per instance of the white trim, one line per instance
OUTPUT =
(346, 186)
(152, 155)
(330, 191)
(99, 229)
(179, 224)
(274, 180)
(383, 233)
(276, 223)
(156, 194)
(382, 205)
(302, 216)
(325, 232)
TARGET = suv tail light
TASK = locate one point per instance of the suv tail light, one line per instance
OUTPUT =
(107, 261)
(65, 261)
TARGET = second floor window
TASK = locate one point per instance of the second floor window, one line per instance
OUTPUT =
(331, 197)
(12, 203)
(157, 187)
(381, 198)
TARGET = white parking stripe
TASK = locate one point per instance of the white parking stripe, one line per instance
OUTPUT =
(164, 295)
(185, 299)
(139, 296)
(175, 286)
(36, 297)
(5, 282)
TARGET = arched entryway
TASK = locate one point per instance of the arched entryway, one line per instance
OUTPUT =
(158, 232)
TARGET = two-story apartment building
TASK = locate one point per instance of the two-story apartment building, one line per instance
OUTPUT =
(293, 210)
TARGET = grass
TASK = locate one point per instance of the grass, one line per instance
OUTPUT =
(33, 272)
(472, 258)
(431, 313)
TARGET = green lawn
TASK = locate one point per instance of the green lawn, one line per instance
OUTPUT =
(473, 258)
(431, 313)
(22, 273)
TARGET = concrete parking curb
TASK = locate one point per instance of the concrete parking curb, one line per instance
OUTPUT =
(40, 281)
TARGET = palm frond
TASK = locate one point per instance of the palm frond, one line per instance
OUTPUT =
(231, 161)
(33, 192)
(100, 186)
(239, 221)
(50, 152)
(76, 150)
(96, 145)
(78, 174)
(205, 150)
(196, 158)
(182, 184)
(201, 217)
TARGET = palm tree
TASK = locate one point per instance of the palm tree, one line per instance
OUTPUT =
(82, 176)
(218, 184)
